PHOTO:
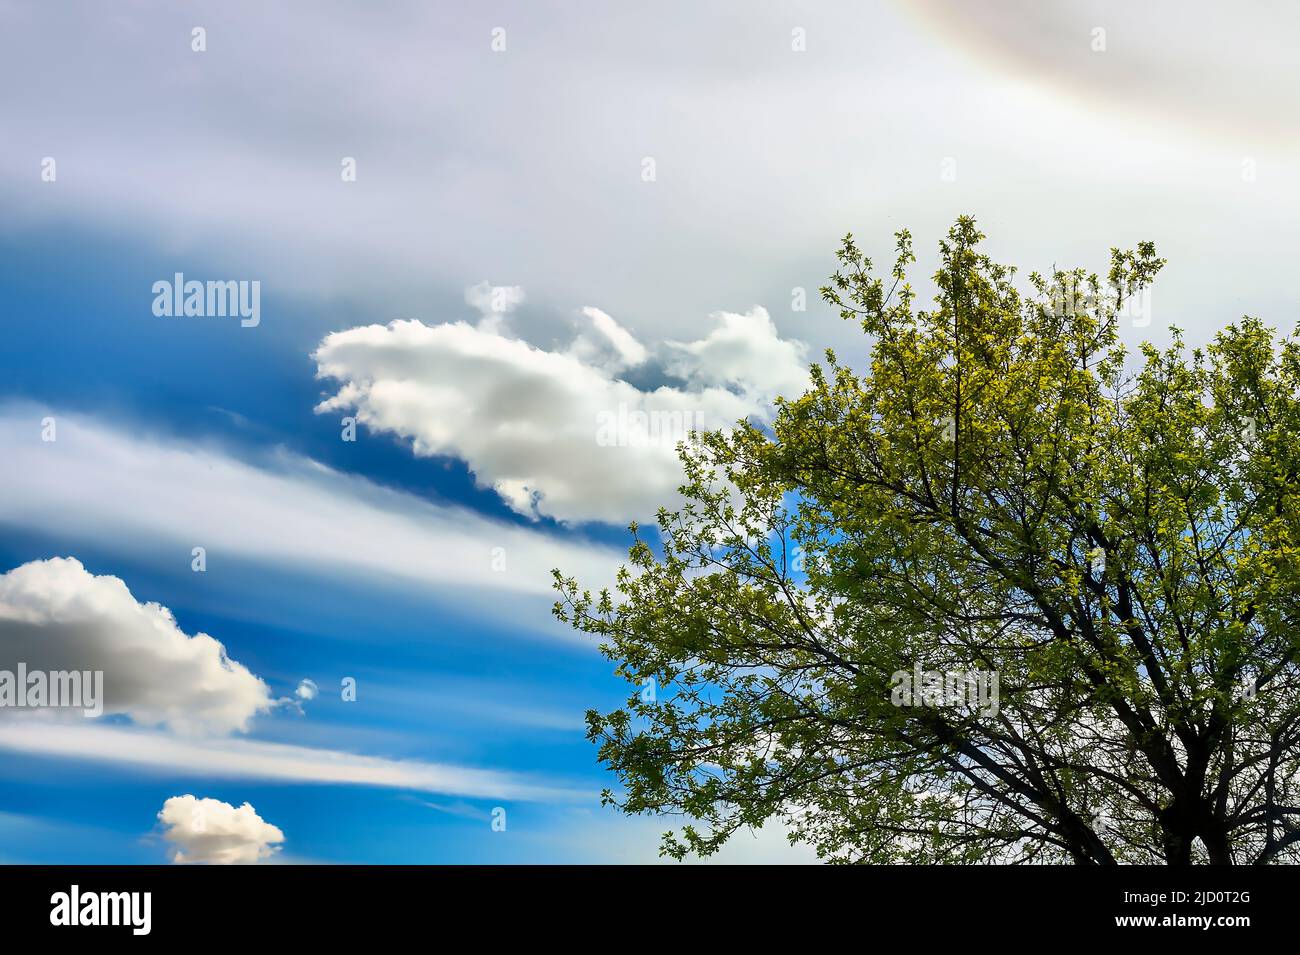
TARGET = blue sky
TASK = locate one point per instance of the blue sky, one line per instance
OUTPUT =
(436, 681)
(520, 171)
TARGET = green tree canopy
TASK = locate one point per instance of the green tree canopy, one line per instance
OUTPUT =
(1003, 492)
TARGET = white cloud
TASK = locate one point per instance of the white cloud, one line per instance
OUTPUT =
(494, 302)
(744, 352)
(215, 832)
(608, 345)
(55, 615)
(499, 299)
(775, 158)
(556, 433)
(160, 497)
(307, 690)
(242, 758)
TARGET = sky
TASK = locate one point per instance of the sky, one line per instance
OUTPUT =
(504, 253)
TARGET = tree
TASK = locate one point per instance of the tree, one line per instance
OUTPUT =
(1005, 494)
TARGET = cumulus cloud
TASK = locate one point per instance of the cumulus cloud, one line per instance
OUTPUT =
(56, 615)
(307, 690)
(209, 831)
(559, 433)
(746, 353)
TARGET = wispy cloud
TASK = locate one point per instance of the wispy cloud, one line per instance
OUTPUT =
(119, 489)
(239, 758)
